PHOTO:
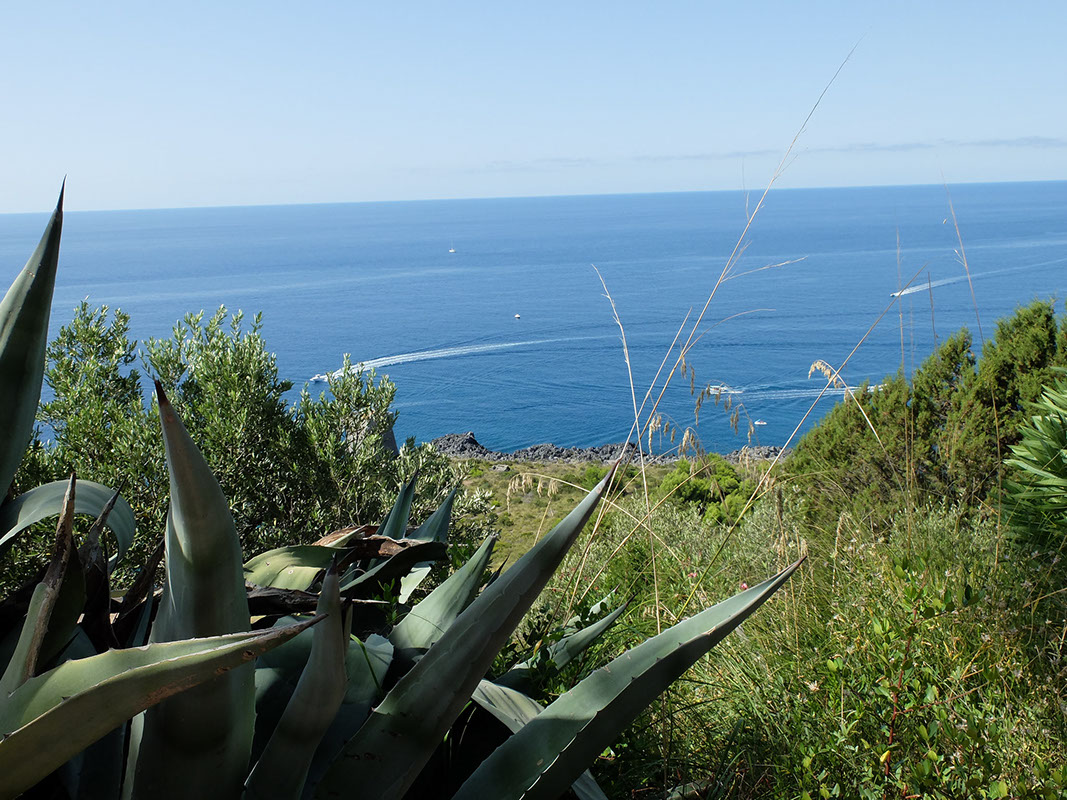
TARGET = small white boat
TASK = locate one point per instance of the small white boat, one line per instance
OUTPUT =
(452, 247)
(759, 422)
(517, 317)
(722, 388)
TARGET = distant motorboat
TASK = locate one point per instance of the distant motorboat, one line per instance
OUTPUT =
(317, 378)
(759, 422)
(722, 388)
(517, 317)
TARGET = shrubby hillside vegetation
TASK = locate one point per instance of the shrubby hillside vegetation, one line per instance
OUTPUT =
(919, 652)
(292, 473)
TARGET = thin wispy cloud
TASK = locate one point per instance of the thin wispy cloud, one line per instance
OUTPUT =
(1045, 142)
(561, 163)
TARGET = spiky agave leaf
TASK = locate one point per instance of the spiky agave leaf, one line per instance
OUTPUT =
(367, 664)
(46, 501)
(278, 672)
(391, 570)
(559, 654)
(283, 767)
(46, 596)
(428, 620)
(550, 751)
(198, 744)
(96, 617)
(395, 523)
(298, 566)
(24, 314)
(434, 529)
(292, 567)
(513, 709)
(387, 753)
(54, 716)
(96, 772)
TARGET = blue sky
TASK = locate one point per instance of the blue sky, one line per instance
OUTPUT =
(205, 103)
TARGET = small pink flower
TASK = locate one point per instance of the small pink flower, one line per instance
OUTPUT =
(743, 585)
(692, 574)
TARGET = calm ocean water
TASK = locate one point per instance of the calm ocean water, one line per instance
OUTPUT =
(377, 280)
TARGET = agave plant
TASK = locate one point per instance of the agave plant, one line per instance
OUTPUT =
(361, 705)
(64, 689)
(1035, 490)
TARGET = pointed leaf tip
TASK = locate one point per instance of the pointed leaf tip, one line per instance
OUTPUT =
(161, 396)
(62, 191)
(606, 481)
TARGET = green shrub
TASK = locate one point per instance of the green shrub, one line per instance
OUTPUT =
(325, 458)
(712, 485)
(940, 439)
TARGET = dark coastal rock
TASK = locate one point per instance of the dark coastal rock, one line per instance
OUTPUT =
(755, 453)
(464, 445)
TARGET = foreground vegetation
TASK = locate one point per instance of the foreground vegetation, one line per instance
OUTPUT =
(309, 670)
(922, 650)
(918, 652)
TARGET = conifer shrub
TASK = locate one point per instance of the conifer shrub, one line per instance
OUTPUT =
(940, 438)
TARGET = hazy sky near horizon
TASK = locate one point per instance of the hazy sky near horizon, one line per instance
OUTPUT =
(148, 105)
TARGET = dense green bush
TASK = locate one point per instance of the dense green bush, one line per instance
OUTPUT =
(940, 439)
(326, 458)
(918, 664)
(712, 485)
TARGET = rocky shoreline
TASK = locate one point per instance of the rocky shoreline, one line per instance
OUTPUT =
(464, 445)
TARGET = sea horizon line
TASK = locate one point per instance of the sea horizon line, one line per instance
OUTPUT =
(756, 191)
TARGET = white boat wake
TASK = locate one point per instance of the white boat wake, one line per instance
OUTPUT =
(444, 352)
(755, 395)
(927, 285)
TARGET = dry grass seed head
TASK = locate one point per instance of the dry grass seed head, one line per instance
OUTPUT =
(828, 372)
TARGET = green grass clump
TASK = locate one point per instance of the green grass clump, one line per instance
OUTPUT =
(923, 662)
(529, 498)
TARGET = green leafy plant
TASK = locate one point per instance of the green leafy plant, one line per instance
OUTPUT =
(711, 484)
(1036, 491)
(941, 437)
(57, 704)
(327, 458)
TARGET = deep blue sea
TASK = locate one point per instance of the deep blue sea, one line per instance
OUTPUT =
(510, 336)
